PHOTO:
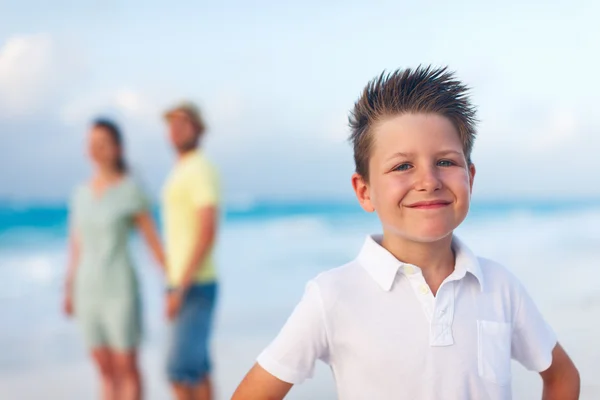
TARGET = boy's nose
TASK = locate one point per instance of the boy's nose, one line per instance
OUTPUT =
(428, 181)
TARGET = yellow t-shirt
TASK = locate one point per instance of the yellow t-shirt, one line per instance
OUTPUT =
(193, 184)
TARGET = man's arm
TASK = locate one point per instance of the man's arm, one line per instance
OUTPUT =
(258, 384)
(561, 379)
(205, 237)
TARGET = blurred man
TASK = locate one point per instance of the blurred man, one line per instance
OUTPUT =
(190, 211)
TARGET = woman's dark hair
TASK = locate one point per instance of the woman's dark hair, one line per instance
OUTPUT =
(115, 133)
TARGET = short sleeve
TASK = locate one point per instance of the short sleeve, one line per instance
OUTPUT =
(204, 186)
(533, 339)
(139, 199)
(292, 355)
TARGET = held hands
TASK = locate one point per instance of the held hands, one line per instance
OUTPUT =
(176, 296)
(173, 303)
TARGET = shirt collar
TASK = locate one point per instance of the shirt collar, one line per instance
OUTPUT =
(383, 267)
(196, 152)
(466, 261)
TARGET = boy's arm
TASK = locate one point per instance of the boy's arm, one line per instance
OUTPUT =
(535, 346)
(561, 379)
(258, 384)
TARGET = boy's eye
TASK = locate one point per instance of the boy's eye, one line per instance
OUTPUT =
(403, 167)
(445, 163)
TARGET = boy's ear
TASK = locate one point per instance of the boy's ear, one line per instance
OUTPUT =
(471, 176)
(363, 192)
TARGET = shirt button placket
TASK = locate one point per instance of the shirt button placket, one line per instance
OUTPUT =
(444, 315)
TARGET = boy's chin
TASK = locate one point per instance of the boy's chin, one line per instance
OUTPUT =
(429, 236)
(422, 232)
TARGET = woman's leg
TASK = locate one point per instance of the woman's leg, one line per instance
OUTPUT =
(128, 373)
(122, 325)
(103, 360)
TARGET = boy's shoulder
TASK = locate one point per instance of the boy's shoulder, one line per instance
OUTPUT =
(500, 282)
(337, 281)
(495, 273)
(340, 274)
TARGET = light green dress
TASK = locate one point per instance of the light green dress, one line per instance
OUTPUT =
(106, 294)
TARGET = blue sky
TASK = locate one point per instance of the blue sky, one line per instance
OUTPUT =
(276, 82)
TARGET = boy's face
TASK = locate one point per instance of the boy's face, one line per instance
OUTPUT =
(419, 180)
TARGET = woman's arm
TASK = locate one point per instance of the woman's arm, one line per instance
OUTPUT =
(147, 227)
(73, 260)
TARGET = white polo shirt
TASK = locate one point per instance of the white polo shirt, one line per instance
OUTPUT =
(385, 336)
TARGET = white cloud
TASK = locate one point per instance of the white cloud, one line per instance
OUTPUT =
(138, 106)
(131, 102)
(523, 129)
(544, 150)
(34, 70)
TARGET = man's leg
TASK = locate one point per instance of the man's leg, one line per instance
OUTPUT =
(189, 361)
(200, 391)
(204, 391)
(178, 364)
(182, 392)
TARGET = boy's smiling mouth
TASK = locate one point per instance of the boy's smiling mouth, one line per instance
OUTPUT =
(429, 204)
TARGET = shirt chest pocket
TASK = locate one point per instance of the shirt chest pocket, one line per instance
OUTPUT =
(494, 351)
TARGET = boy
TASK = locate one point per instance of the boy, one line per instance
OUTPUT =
(416, 315)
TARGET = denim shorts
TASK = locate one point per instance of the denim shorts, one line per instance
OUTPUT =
(188, 360)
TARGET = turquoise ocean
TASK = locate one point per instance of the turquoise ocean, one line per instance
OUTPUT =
(266, 252)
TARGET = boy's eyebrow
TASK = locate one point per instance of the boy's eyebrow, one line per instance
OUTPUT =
(400, 154)
(441, 153)
(445, 152)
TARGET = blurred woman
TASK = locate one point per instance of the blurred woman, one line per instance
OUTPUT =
(101, 285)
